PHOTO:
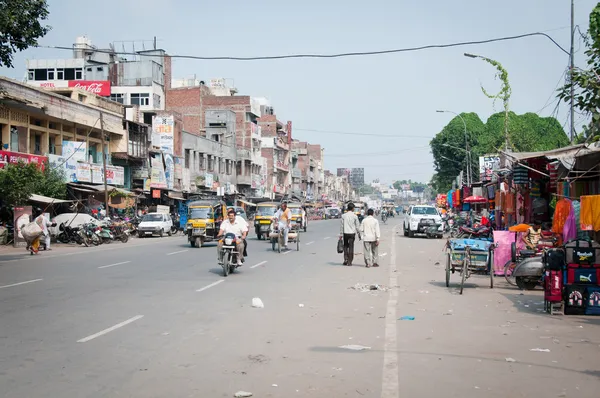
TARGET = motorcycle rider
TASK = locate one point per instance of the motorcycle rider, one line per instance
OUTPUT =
(284, 217)
(239, 228)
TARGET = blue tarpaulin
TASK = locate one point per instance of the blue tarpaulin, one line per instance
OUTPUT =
(475, 244)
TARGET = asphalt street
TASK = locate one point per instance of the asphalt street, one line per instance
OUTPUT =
(156, 318)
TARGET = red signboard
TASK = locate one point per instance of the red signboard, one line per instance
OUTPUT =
(16, 157)
(100, 87)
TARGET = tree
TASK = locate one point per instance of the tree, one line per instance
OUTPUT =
(52, 183)
(19, 181)
(20, 26)
(586, 82)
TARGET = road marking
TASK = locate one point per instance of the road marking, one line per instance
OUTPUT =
(110, 329)
(287, 252)
(112, 265)
(211, 285)
(259, 264)
(383, 255)
(310, 243)
(180, 251)
(390, 387)
(327, 237)
(21, 283)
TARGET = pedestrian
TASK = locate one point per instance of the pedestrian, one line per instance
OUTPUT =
(371, 235)
(284, 217)
(350, 227)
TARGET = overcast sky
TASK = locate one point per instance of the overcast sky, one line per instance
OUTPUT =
(394, 94)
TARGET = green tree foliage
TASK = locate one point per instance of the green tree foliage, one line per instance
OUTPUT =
(527, 132)
(19, 181)
(414, 186)
(586, 82)
(20, 26)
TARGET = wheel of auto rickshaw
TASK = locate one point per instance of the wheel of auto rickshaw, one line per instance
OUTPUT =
(448, 268)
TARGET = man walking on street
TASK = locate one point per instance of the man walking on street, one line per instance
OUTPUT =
(350, 226)
(371, 235)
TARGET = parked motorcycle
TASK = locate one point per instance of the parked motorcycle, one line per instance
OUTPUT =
(104, 233)
(69, 234)
(89, 229)
(526, 266)
(435, 231)
(119, 231)
(229, 254)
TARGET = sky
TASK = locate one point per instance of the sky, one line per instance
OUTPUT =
(394, 94)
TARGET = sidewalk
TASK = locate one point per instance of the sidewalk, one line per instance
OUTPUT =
(488, 342)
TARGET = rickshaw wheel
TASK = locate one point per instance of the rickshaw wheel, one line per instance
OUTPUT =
(465, 269)
(448, 267)
(298, 241)
(491, 262)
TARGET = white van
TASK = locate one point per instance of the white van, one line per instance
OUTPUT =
(155, 224)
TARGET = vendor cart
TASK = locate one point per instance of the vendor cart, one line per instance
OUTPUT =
(277, 237)
(467, 257)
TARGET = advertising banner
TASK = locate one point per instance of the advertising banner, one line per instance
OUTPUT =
(169, 170)
(22, 216)
(97, 177)
(16, 157)
(74, 152)
(163, 133)
(208, 180)
(115, 175)
(56, 161)
(157, 172)
(84, 172)
(99, 87)
(487, 165)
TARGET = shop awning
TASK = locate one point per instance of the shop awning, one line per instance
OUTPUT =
(175, 195)
(246, 202)
(99, 188)
(47, 200)
(566, 155)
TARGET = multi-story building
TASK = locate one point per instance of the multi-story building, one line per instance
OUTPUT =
(316, 158)
(276, 143)
(356, 176)
(193, 99)
(38, 125)
(139, 80)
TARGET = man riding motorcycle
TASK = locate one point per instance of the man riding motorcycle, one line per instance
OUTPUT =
(239, 228)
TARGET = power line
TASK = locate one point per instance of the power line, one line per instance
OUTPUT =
(548, 103)
(339, 55)
(362, 134)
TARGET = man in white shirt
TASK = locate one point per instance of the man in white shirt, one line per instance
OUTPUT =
(371, 235)
(284, 217)
(44, 223)
(236, 226)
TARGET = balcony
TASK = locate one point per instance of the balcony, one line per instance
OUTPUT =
(282, 166)
(281, 143)
(244, 180)
(244, 154)
(296, 173)
(312, 163)
(294, 153)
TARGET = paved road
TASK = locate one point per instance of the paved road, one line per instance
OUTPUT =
(155, 318)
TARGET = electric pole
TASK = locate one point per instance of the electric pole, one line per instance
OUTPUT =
(104, 154)
(572, 69)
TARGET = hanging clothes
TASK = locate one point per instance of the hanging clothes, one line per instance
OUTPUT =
(570, 229)
(563, 208)
(590, 213)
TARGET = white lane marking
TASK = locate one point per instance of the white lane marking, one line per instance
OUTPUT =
(383, 255)
(115, 264)
(110, 329)
(390, 387)
(209, 286)
(259, 264)
(310, 243)
(327, 237)
(21, 283)
(287, 252)
(180, 251)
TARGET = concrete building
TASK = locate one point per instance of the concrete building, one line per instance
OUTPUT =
(140, 79)
(316, 158)
(276, 145)
(193, 99)
(305, 168)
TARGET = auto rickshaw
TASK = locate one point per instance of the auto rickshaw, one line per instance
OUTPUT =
(204, 221)
(262, 220)
(297, 221)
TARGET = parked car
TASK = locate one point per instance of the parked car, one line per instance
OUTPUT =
(71, 220)
(420, 219)
(155, 224)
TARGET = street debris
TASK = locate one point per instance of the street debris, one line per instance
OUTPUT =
(257, 303)
(354, 347)
(540, 350)
(301, 305)
(510, 360)
(242, 394)
(407, 318)
(450, 312)
(273, 385)
(368, 287)
(424, 291)
(338, 369)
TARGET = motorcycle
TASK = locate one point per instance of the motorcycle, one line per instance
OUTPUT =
(119, 231)
(89, 230)
(384, 217)
(103, 233)
(478, 232)
(69, 234)
(528, 268)
(435, 231)
(229, 254)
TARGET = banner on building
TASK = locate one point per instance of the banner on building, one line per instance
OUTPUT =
(139, 172)
(84, 172)
(99, 87)
(157, 175)
(163, 130)
(7, 157)
(208, 180)
(73, 152)
(169, 170)
(59, 162)
(488, 164)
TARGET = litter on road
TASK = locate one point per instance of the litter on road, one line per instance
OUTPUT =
(407, 318)
(540, 350)
(242, 394)
(510, 360)
(354, 347)
(368, 287)
(257, 303)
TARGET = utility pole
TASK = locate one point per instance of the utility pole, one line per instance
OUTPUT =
(572, 69)
(104, 154)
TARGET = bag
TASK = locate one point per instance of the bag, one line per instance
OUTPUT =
(340, 245)
(593, 301)
(31, 231)
(582, 276)
(553, 286)
(582, 251)
(554, 259)
(574, 300)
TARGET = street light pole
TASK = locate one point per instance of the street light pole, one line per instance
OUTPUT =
(469, 180)
(572, 68)
(104, 154)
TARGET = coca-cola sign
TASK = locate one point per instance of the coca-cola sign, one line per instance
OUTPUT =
(100, 87)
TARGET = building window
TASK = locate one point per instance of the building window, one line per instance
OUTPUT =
(156, 101)
(69, 74)
(50, 74)
(41, 74)
(187, 159)
(52, 145)
(30, 74)
(60, 74)
(89, 69)
(37, 146)
(117, 98)
(78, 74)
(99, 69)
(141, 99)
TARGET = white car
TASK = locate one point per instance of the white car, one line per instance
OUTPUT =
(155, 224)
(72, 220)
(419, 218)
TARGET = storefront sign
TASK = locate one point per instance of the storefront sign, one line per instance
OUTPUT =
(487, 166)
(139, 172)
(169, 170)
(157, 175)
(7, 157)
(208, 180)
(99, 87)
(22, 216)
(163, 133)
(73, 152)
(84, 172)
(156, 193)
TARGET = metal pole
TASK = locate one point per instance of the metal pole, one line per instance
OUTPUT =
(572, 68)
(104, 154)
